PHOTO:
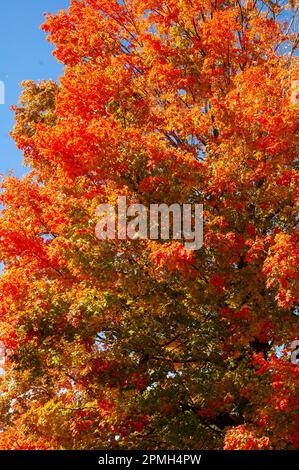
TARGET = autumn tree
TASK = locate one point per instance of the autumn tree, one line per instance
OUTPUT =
(140, 344)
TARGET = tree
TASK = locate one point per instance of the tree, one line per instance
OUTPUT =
(136, 343)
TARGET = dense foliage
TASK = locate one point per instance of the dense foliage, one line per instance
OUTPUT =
(144, 344)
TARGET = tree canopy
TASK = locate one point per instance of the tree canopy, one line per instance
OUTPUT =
(142, 344)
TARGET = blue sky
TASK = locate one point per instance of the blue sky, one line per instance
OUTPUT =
(25, 54)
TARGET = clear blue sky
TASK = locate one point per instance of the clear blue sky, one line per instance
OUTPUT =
(25, 54)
